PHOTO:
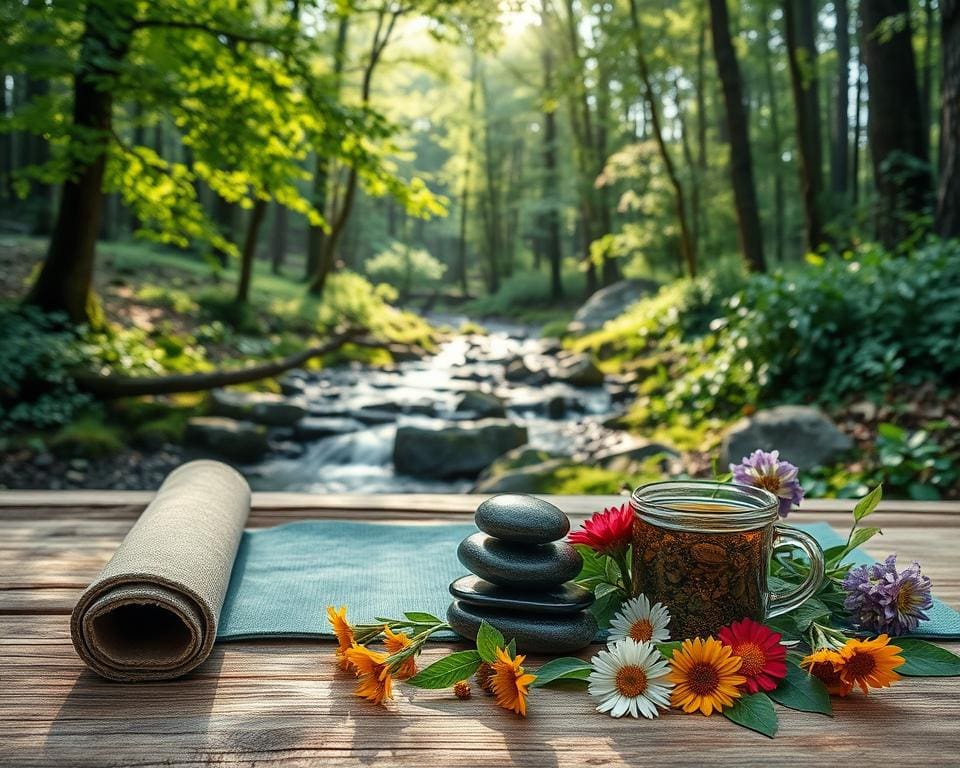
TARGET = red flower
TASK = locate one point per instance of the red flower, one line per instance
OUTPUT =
(607, 532)
(764, 659)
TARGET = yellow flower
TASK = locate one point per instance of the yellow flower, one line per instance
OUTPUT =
(870, 663)
(509, 682)
(705, 676)
(344, 633)
(825, 664)
(376, 684)
(397, 641)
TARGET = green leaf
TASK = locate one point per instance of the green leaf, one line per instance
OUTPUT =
(868, 503)
(802, 692)
(605, 607)
(603, 589)
(923, 659)
(754, 712)
(422, 618)
(786, 626)
(833, 554)
(512, 648)
(859, 536)
(565, 668)
(447, 671)
(807, 613)
(489, 638)
(612, 570)
(668, 649)
(892, 432)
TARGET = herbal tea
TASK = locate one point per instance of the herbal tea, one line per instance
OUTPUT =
(706, 580)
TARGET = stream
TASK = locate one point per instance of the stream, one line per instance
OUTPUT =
(560, 418)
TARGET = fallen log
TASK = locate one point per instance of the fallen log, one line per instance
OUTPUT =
(114, 386)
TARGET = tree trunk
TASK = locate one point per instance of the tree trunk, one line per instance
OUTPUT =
(701, 225)
(855, 150)
(492, 196)
(841, 118)
(948, 195)
(550, 220)
(800, 23)
(776, 144)
(741, 162)
(926, 88)
(686, 244)
(6, 143)
(898, 145)
(321, 175)
(278, 239)
(467, 167)
(250, 250)
(65, 280)
(38, 153)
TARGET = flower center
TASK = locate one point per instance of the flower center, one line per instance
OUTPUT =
(826, 672)
(631, 681)
(769, 482)
(703, 679)
(861, 665)
(753, 657)
(641, 630)
(905, 599)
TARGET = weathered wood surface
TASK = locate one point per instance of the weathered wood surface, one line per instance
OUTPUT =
(283, 702)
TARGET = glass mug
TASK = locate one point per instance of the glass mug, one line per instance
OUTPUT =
(703, 549)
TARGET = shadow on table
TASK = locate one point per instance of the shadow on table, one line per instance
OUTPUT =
(116, 723)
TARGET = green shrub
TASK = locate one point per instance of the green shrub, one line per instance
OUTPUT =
(404, 268)
(38, 354)
(166, 429)
(88, 437)
(523, 293)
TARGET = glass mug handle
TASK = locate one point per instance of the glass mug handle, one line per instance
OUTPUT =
(788, 536)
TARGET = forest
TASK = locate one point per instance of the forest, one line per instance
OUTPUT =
(532, 245)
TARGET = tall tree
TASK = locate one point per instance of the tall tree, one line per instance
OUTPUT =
(550, 218)
(898, 143)
(278, 239)
(800, 23)
(839, 156)
(687, 254)
(465, 180)
(248, 253)
(948, 194)
(776, 139)
(741, 162)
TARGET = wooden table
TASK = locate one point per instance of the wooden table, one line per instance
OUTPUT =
(283, 702)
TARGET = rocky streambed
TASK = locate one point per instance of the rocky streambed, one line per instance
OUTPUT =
(433, 424)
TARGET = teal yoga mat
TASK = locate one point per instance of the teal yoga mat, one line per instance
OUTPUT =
(284, 577)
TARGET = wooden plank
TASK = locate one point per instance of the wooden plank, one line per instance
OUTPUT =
(283, 702)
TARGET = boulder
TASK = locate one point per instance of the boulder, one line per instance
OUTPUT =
(524, 456)
(237, 440)
(483, 404)
(556, 407)
(316, 427)
(580, 371)
(454, 450)
(519, 370)
(260, 407)
(620, 458)
(609, 302)
(805, 436)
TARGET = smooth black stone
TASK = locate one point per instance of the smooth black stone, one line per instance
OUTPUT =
(528, 566)
(565, 599)
(533, 633)
(521, 518)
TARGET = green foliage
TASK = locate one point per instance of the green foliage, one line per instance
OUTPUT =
(404, 268)
(525, 294)
(38, 353)
(166, 429)
(913, 463)
(88, 436)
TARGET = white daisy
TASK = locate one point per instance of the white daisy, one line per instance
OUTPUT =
(630, 677)
(640, 621)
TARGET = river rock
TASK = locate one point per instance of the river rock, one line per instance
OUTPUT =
(521, 519)
(609, 302)
(521, 480)
(373, 416)
(620, 458)
(565, 599)
(237, 440)
(804, 435)
(580, 371)
(454, 450)
(519, 565)
(483, 404)
(314, 428)
(533, 633)
(260, 407)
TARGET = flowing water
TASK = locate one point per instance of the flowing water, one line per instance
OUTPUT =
(426, 392)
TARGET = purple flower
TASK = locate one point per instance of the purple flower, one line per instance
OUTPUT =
(883, 601)
(765, 470)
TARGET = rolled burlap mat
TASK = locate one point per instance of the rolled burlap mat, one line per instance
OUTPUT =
(152, 612)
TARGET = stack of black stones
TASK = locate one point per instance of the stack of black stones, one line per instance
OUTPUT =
(521, 582)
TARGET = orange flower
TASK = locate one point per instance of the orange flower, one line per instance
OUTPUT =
(705, 676)
(870, 663)
(397, 641)
(825, 664)
(376, 684)
(509, 682)
(344, 633)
